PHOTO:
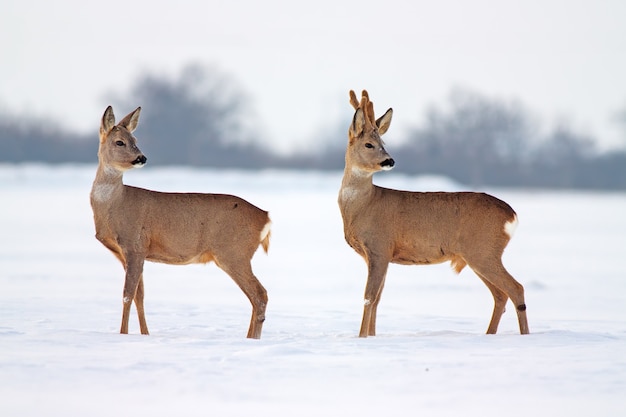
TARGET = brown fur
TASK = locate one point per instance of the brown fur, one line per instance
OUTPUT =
(173, 228)
(419, 228)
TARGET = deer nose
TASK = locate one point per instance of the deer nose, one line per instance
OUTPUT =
(141, 159)
(388, 163)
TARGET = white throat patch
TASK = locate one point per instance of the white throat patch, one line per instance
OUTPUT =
(102, 192)
(348, 193)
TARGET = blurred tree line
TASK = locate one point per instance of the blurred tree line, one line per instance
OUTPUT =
(478, 140)
(199, 119)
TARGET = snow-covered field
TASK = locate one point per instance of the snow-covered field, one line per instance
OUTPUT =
(61, 290)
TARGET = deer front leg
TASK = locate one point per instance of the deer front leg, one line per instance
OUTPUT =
(143, 326)
(134, 271)
(377, 270)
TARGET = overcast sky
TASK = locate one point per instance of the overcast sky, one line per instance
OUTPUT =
(566, 60)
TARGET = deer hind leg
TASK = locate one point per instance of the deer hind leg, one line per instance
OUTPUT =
(241, 272)
(494, 272)
(377, 270)
(134, 272)
(500, 298)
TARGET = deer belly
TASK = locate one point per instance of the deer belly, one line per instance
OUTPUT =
(419, 255)
(172, 259)
(177, 253)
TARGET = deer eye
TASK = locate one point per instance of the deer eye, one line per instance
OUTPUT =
(369, 146)
(120, 143)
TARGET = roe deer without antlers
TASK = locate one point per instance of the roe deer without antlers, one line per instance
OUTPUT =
(419, 228)
(172, 228)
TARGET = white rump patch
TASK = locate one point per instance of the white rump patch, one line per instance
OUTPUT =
(509, 227)
(266, 230)
(103, 192)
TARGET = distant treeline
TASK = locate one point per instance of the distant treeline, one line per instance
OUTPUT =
(197, 119)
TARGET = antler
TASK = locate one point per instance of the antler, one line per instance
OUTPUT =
(353, 100)
(366, 105)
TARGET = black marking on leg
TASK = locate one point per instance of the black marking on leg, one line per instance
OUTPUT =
(521, 307)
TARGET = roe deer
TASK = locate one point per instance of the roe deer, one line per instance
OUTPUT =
(173, 228)
(419, 228)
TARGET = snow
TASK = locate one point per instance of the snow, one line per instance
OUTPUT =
(61, 302)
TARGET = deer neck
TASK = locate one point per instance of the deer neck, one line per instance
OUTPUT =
(107, 186)
(356, 187)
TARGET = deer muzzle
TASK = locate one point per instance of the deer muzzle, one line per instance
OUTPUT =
(387, 164)
(140, 161)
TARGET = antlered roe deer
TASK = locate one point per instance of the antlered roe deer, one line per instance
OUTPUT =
(173, 228)
(419, 228)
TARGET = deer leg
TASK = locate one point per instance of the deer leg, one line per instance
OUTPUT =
(134, 271)
(377, 270)
(500, 298)
(139, 305)
(372, 327)
(241, 272)
(495, 273)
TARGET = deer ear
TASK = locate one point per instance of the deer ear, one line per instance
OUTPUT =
(358, 122)
(108, 121)
(131, 120)
(384, 121)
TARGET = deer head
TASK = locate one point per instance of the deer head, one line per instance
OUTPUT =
(118, 147)
(366, 153)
